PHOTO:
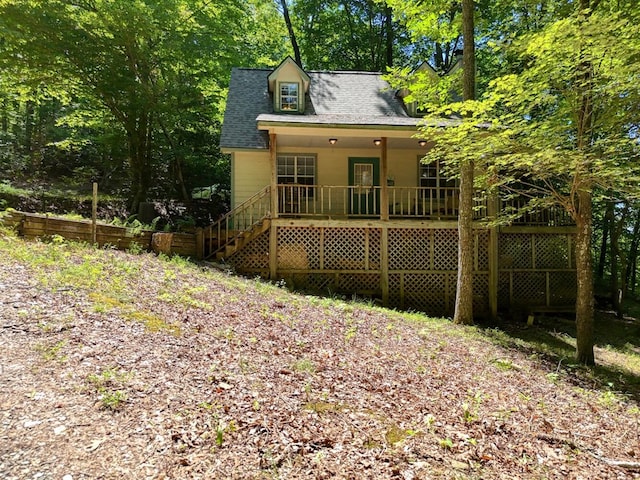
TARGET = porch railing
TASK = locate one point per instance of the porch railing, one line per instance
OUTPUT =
(552, 215)
(239, 220)
(410, 202)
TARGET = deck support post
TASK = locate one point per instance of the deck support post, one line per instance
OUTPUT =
(384, 265)
(493, 253)
(273, 252)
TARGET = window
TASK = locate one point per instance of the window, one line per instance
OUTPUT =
(431, 177)
(297, 169)
(289, 97)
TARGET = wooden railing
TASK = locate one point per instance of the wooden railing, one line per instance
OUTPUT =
(351, 201)
(410, 202)
(551, 216)
(239, 220)
(440, 203)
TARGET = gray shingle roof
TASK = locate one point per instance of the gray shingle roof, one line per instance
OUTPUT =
(334, 98)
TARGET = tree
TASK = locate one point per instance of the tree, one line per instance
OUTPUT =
(346, 34)
(464, 291)
(292, 34)
(563, 126)
(439, 22)
(143, 61)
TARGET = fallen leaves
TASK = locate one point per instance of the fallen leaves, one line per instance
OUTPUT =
(257, 382)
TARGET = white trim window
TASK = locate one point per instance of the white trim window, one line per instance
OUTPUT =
(297, 170)
(431, 177)
(289, 97)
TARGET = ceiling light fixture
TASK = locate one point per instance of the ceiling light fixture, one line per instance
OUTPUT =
(333, 141)
(422, 143)
(377, 142)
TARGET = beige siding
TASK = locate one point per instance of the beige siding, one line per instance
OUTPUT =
(333, 164)
(251, 173)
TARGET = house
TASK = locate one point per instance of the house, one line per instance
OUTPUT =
(329, 192)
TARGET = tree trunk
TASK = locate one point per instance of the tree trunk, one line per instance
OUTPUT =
(139, 136)
(630, 274)
(388, 23)
(292, 34)
(176, 164)
(584, 274)
(464, 289)
(584, 208)
(618, 262)
(5, 120)
(28, 132)
(464, 294)
(608, 217)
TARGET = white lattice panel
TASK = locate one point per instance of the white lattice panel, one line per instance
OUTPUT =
(344, 248)
(365, 283)
(298, 248)
(515, 251)
(529, 288)
(409, 249)
(253, 257)
(445, 249)
(562, 288)
(482, 249)
(552, 251)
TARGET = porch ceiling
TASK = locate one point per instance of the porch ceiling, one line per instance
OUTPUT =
(315, 142)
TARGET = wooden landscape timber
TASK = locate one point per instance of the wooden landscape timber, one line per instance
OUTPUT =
(33, 225)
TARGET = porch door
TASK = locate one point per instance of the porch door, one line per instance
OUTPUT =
(364, 176)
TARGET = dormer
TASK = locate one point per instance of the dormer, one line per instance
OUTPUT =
(412, 107)
(288, 83)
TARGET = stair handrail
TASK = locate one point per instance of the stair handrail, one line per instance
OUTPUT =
(237, 221)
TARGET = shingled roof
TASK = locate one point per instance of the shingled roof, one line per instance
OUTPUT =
(334, 98)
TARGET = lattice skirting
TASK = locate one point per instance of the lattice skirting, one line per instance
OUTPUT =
(534, 269)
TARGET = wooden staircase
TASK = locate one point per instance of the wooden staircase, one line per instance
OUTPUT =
(238, 228)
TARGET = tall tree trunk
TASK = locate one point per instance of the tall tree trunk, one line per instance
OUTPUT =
(388, 24)
(139, 137)
(28, 132)
(584, 207)
(292, 34)
(606, 225)
(633, 254)
(464, 291)
(5, 117)
(618, 262)
(584, 277)
(176, 164)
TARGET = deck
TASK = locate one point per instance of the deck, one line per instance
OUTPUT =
(336, 239)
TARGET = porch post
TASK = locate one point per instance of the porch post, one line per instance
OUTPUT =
(273, 232)
(274, 174)
(384, 216)
(384, 173)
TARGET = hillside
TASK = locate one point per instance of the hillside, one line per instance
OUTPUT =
(118, 365)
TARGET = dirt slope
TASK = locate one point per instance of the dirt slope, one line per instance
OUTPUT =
(115, 366)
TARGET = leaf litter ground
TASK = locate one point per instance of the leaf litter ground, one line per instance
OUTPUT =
(118, 366)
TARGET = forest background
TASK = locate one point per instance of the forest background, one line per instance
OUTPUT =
(130, 94)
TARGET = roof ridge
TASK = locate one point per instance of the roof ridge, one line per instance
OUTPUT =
(350, 72)
(333, 72)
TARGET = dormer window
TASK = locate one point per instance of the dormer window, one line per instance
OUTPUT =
(289, 97)
(288, 84)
